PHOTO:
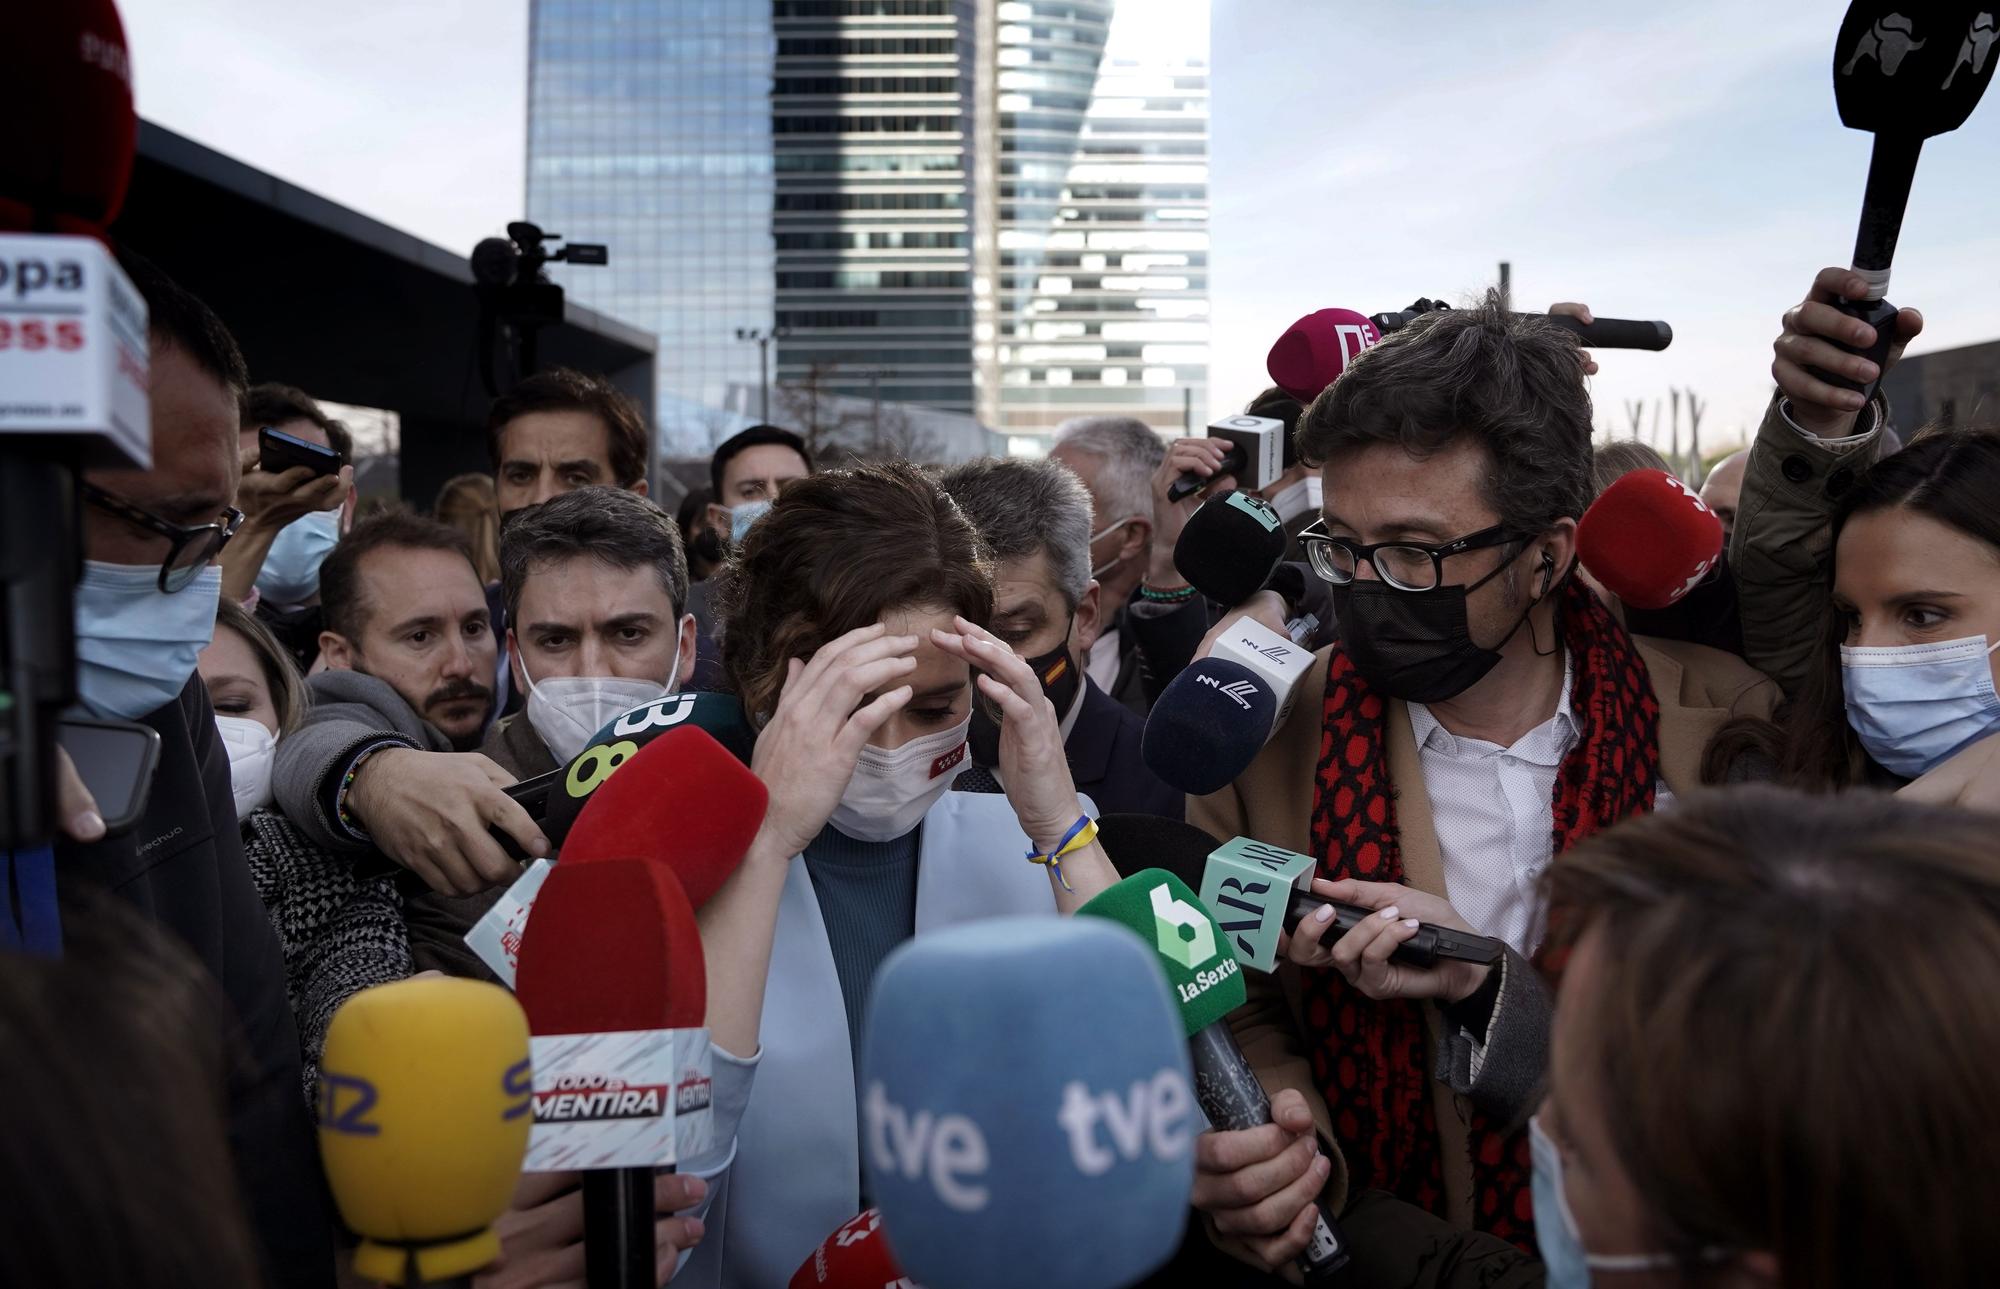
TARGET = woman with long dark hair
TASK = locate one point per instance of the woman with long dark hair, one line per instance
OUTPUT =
(1869, 577)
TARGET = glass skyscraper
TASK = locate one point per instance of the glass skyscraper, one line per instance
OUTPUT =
(871, 120)
(1093, 270)
(997, 207)
(649, 129)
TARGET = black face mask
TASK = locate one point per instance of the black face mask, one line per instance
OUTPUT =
(1060, 677)
(1414, 645)
(707, 545)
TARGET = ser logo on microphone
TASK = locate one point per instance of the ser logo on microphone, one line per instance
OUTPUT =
(1240, 690)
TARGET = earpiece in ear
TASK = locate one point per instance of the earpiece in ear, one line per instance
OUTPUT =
(1548, 571)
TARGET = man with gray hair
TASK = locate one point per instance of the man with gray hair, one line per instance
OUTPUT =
(1036, 518)
(1115, 457)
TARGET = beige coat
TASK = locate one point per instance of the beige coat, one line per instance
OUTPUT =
(1698, 689)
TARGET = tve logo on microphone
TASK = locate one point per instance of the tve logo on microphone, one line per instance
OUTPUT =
(993, 1104)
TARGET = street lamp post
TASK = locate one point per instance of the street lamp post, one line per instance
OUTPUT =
(763, 336)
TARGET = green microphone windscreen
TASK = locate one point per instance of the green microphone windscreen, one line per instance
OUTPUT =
(1160, 909)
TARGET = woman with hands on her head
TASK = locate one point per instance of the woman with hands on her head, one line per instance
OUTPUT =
(854, 633)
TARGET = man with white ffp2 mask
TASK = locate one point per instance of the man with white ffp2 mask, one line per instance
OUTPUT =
(595, 582)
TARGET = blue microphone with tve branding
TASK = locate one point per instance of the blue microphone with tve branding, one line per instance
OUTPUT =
(1026, 1112)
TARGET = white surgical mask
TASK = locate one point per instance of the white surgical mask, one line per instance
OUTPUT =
(136, 645)
(1569, 1263)
(567, 710)
(1913, 706)
(1100, 572)
(252, 748)
(893, 789)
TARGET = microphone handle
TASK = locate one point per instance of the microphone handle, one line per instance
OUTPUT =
(1233, 1100)
(618, 1248)
(1190, 483)
(1891, 169)
(1421, 950)
(1599, 333)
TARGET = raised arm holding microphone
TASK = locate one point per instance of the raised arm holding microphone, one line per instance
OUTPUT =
(853, 634)
(1868, 577)
(1484, 712)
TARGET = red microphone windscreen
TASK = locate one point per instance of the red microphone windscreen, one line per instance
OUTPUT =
(682, 800)
(854, 1257)
(1649, 539)
(1317, 348)
(68, 134)
(610, 947)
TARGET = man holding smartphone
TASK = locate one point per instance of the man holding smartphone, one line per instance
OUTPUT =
(297, 500)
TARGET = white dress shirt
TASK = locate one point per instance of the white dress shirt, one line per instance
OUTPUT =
(1106, 653)
(1494, 809)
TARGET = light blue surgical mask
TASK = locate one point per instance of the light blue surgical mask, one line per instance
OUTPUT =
(1913, 706)
(136, 645)
(1569, 1265)
(291, 571)
(743, 515)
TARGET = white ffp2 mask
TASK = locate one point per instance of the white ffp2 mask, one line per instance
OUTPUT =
(893, 789)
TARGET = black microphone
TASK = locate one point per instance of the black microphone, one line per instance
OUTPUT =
(1904, 73)
(1256, 455)
(1230, 547)
(1599, 333)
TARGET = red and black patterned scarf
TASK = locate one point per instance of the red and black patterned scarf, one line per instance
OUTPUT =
(1368, 1057)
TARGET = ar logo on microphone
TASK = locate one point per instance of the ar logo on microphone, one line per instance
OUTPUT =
(1182, 933)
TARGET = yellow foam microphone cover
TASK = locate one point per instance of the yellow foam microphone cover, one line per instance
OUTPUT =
(425, 1102)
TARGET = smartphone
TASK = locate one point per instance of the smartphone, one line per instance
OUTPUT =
(116, 760)
(278, 452)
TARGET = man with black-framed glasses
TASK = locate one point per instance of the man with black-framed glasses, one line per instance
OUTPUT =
(145, 607)
(1480, 712)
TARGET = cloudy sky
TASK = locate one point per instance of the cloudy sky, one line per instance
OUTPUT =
(1679, 161)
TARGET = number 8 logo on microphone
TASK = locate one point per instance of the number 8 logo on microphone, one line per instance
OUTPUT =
(595, 764)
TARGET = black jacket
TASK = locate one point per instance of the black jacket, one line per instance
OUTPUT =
(182, 866)
(1103, 752)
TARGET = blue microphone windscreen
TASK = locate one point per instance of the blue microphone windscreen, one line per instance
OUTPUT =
(1027, 1115)
(1208, 725)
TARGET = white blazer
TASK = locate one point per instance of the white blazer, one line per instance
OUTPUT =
(791, 1170)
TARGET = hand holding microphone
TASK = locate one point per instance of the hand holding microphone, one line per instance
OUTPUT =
(541, 1234)
(1819, 337)
(1364, 955)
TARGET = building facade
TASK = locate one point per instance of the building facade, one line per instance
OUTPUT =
(649, 129)
(990, 207)
(1093, 271)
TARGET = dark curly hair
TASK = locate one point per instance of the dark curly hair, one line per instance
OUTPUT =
(1511, 382)
(836, 552)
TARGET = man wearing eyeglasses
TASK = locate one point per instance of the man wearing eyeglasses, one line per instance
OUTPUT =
(145, 606)
(1480, 712)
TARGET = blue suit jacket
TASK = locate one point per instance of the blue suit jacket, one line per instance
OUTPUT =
(1103, 751)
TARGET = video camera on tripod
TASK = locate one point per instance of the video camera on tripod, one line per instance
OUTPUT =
(515, 291)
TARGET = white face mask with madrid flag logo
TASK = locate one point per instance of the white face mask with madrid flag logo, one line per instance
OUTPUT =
(894, 788)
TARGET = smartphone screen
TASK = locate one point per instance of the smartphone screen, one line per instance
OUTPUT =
(115, 760)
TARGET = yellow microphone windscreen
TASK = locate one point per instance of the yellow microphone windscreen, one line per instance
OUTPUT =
(425, 1102)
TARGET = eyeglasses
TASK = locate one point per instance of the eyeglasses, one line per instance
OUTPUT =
(1406, 566)
(190, 549)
